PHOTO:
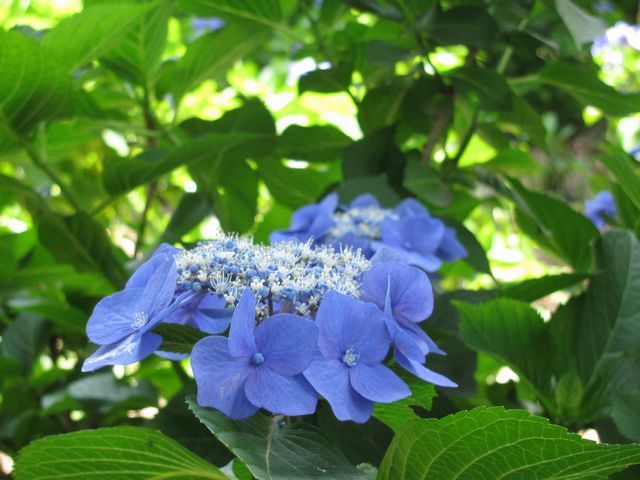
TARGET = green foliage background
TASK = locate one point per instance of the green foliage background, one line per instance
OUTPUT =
(124, 124)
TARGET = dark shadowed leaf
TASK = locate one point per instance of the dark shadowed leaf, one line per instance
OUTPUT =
(489, 88)
(463, 26)
(317, 143)
(23, 340)
(178, 338)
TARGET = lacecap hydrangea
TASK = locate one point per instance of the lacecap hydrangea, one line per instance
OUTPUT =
(409, 229)
(284, 324)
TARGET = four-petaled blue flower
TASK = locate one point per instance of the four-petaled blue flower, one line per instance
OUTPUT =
(348, 370)
(257, 366)
(121, 322)
(405, 295)
(311, 221)
(600, 208)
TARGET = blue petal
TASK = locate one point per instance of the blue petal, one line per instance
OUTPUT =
(241, 334)
(330, 378)
(450, 248)
(422, 372)
(377, 383)
(364, 200)
(113, 316)
(421, 233)
(329, 203)
(172, 355)
(140, 277)
(391, 233)
(280, 394)
(221, 378)
(403, 341)
(409, 289)
(345, 322)
(160, 289)
(422, 338)
(205, 311)
(287, 342)
(385, 254)
(411, 206)
(132, 349)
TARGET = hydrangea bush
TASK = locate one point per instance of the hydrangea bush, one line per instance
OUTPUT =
(391, 239)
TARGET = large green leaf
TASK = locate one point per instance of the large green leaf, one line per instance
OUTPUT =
(210, 56)
(266, 12)
(121, 452)
(536, 288)
(489, 88)
(178, 338)
(24, 339)
(137, 57)
(584, 28)
(235, 199)
(92, 32)
(33, 86)
(625, 169)
(318, 143)
(275, 450)
(464, 26)
(506, 328)
(490, 442)
(583, 84)
(426, 184)
(600, 329)
(556, 226)
(191, 210)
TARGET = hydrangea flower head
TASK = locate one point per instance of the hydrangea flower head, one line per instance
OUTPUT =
(257, 366)
(348, 370)
(121, 322)
(310, 221)
(600, 207)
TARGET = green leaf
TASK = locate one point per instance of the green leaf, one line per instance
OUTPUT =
(318, 143)
(236, 196)
(23, 340)
(382, 106)
(274, 450)
(91, 33)
(602, 327)
(526, 118)
(398, 414)
(624, 167)
(583, 84)
(121, 452)
(513, 162)
(535, 288)
(80, 241)
(267, 12)
(191, 210)
(556, 226)
(626, 415)
(210, 56)
(489, 88)
(375, 153)
(463, 26)
(506, 328)
(426, 184)
(137, 57)
(178, 338)
(476, 254)
(491, 442)
(329, 80)
(33, 86)
(350, 189)
(584, 28)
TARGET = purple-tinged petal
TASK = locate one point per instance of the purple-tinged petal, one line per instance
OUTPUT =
(403, 341)
(364, 200)
(427, 262)
(280, 394)
(113, 317)
(221, 378)
(329, 203)
(377, 383)
(409, 289)
(241, 334)
(450, 248)
(391, 233)
(421, 234)
(330, 378)
(132, 349)
(205, 311)
(411, 206)
(385, 254)
(287, 342)
(160, 289)
(422, 372)
(140, 277)
(346, 323)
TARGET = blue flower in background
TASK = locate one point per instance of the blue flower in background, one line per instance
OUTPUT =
(257, 366)
(121, 322)
(410, 207)
(204, 25)
(601, 207)
(311, 221)
(348, 370)
(405, 295)
(205, 311)
(416, 238)
(450, 248)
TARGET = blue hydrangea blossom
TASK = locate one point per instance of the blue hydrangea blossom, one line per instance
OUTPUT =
(409, 228)
(257, 366)
(348, 370)
(601, 207)
(310, 221)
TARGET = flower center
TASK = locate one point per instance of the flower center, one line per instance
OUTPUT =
(350, 357)
(257, 359)
(139, 320)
